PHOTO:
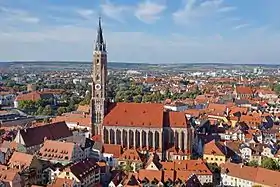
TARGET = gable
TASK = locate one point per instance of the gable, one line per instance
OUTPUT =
(152, 166)
(70, 175)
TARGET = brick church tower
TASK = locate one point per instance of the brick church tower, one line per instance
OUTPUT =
(99, 83)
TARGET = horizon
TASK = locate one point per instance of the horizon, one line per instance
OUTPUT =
(150, 63)
(158, 31)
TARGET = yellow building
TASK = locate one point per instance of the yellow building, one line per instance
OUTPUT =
(214, 152)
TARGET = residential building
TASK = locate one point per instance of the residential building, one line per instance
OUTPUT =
(61, 152)
(5, 154)
(84, 173)
(32, 138)
(111, 153)
(28, 166)
(33, 96)
(214, 152)
(240, 175)
(10, 177)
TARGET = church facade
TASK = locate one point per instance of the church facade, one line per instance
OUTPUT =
(142, 126)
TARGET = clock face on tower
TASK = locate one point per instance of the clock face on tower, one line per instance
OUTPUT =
(97, 86)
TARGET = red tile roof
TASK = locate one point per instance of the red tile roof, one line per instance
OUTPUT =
(132, 154)
(150, 175)
(135, 114)
(258, 175)
(244, 90)
(33, 96)
(76, 118)
(175, 119)
(116, 150)
(213, 148)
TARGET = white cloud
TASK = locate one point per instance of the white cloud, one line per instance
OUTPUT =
(148, 11)
(227, 9)
(86, 13)
(241, 26)
(16, 15)
(75, 43)
(113, 11)
(194, 10)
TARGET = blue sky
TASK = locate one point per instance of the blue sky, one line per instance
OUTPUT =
(160, 31)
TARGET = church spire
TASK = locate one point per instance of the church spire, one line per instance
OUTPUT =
(100, 44)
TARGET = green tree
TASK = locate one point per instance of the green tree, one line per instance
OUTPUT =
(253, 163)
(128, 98)
(137, 98)
(147, 98)
(26, 105)
(127, 167)
(269, 163)
(86, 100)
(40, 110)
(10, 83)
(47, 110)
(61, 110)
(276, 88)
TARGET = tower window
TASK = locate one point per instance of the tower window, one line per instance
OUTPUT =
(97, 61)
(97, 77)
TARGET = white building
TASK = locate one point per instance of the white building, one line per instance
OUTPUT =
(245, 176)
(176, 106)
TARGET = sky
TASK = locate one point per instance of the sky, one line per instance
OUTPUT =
(151, 31)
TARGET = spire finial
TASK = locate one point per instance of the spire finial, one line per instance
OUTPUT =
(99, 21)
(100, 44)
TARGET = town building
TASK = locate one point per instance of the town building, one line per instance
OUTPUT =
(33, 138)
(28, 166)
(84, 173)
(240, 175)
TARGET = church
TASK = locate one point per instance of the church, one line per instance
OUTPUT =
(142, 126)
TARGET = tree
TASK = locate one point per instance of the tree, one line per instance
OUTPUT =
(47, 110)
(61, 110)
(40, 110)
(86, 100)
(137, 98)
(269, 163)
(127, 167)
(10, 83)
(26, 105)
(253, 163)
(276, 88)
(147, 98)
